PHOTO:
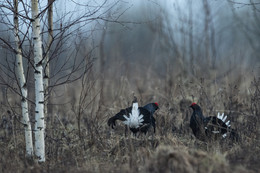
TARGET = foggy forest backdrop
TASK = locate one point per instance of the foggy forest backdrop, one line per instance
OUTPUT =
(172, 52)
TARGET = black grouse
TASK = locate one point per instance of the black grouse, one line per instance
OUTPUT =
(136, 118)
(209, 128)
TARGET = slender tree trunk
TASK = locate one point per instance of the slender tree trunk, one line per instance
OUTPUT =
(191, 37)
(39, 91)
(21, 79)
(46, 77)
(206, 32)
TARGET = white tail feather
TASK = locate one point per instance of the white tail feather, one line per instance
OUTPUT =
(227, 123)
(220, 116)
(215, 131)
(223, 117)
(135, 119)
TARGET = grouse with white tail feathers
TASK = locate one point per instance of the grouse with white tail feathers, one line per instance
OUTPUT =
(209, 128)
(138, 119)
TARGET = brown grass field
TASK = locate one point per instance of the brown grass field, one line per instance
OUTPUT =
(173, 148)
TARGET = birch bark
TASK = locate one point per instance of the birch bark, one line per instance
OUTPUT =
(22, 83)
(39, 91)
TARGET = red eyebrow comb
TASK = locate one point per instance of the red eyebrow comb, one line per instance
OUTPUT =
(193, 104)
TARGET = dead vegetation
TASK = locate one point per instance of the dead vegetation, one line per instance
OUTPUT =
(172, 149)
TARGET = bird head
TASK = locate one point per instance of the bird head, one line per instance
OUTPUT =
(156, 105)
(194, 106)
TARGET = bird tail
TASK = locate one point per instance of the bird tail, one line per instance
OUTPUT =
(223, 117)
(232, 132)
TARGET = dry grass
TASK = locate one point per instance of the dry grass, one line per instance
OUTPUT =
(172, 149)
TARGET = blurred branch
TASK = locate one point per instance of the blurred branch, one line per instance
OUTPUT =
(242, 3)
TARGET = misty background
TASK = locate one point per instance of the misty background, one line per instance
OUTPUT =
(153, 49)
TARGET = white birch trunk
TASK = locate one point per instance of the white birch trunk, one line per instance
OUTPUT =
(21, 79)
(39, 92)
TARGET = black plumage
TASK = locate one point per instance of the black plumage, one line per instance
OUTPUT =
(152, 107)
(209, 128)
(139, 122)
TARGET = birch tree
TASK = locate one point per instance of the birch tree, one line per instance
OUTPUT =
(22, 85)
(59, 51)
(39, 90)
